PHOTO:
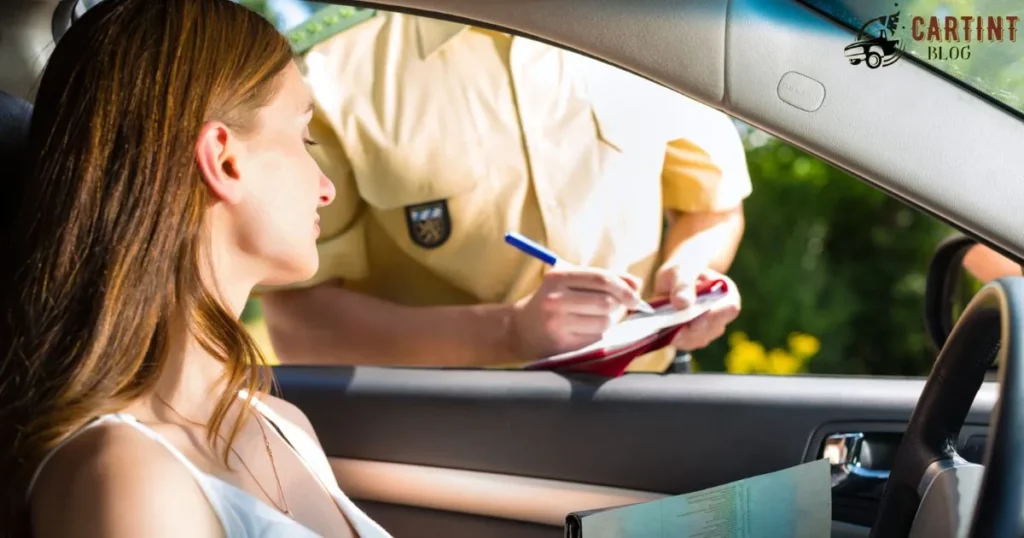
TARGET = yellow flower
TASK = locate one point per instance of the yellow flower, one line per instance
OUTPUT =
(803, 346)
(745, 357)
(737, 338)
(782, 363)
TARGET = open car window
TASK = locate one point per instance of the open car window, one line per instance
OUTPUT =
(831, 270)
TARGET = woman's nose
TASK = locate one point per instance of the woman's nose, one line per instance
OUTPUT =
(327, 190)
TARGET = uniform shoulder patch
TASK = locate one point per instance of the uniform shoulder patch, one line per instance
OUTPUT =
(430, 224)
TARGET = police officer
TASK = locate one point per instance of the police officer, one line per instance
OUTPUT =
(441, 137)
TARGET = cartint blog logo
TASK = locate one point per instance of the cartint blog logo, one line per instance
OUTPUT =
(877, 44)
(882, 40)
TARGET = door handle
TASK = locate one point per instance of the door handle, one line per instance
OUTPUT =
(846, 453)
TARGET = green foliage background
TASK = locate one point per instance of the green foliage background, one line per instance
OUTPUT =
(827, 255)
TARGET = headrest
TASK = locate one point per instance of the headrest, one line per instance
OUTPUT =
(15, 116)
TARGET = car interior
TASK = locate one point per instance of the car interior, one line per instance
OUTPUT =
(459, 453)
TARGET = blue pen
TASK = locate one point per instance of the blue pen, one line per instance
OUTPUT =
(534, 249)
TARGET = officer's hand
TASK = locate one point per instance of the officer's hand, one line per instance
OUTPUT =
(571, 309)
(680, 287)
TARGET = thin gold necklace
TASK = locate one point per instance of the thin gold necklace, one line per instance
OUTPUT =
(270, 453)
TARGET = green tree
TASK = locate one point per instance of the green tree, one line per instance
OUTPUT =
(828, 255)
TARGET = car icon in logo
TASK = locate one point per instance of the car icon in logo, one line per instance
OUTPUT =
(875, 51)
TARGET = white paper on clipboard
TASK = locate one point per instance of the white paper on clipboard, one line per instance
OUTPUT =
(639, 325)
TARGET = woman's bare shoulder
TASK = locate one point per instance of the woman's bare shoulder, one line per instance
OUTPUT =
(112, 480)
(291, 413)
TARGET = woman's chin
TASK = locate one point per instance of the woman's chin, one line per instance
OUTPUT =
(292, 274)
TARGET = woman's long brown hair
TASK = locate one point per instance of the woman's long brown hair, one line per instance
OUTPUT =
(105, 251)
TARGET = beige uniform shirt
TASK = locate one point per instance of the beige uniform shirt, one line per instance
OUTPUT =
(441, 137)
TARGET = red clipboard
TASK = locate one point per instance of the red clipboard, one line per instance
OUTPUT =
(613, 361)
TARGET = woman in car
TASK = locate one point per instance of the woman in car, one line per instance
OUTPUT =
(167, 175)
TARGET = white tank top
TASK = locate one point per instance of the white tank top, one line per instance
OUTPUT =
(241, 514)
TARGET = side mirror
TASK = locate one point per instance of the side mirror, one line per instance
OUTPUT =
(958, 270)
(943, 287)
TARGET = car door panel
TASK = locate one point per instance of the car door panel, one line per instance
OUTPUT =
(527, 447)
(505, 496)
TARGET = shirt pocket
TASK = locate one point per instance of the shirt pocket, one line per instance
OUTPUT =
(396, 177)
(423, 197)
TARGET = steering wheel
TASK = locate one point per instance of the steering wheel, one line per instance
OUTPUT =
(930, 485)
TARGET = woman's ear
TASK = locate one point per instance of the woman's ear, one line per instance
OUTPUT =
(216, 155)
